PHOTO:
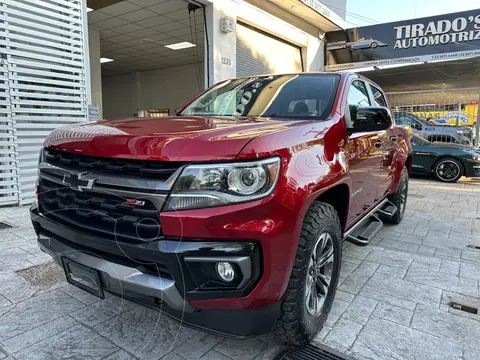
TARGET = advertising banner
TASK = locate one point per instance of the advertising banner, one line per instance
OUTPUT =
(437, 38)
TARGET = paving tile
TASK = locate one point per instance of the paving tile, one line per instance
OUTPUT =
(448, 326)
(172, 356)
(342, 295)
(101, 311)
(419, 231)
(357, 252)
(381, 339)
(411, 238)
(388, 233)
(38, 334)
(426, 250)
(471, 353)
(391, 258)
(75, 343)
(366, 268)
(444, 242)
(338, 308)
(393, 313)
(391, 271)
(214, 355)
(433, 278)
(273, 347)
(429, 262)
(346, 269)
(470, 271)
(450, 267)
(468, 287)
(388, 299)
(399, 246)
(120, 355)
(197, 346)
(79, 294)
(4, 301)
(353, 283)
(240, 349)
(471, 255)
(145, 332)
(343, 334)
(405, 289)
(360, 309)
(448, 253)
(36, 311)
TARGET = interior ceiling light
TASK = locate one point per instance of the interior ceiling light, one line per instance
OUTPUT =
(89, 9)
(105, 60)
(179, 46)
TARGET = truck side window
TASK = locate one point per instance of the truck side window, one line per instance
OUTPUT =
(378, 98)
(357, 97)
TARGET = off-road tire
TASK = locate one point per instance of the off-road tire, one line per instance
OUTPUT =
(396, 199)
(449, 159)
(295, 324)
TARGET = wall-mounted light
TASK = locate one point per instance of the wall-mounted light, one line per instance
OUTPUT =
(89, 9)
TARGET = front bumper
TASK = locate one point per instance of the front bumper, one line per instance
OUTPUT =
(472, 169)
(156, 274)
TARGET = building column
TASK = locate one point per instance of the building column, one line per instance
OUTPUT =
(221, 52)
(95, 69)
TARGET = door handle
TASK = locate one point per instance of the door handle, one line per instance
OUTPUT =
(378, 143)
(394, 138)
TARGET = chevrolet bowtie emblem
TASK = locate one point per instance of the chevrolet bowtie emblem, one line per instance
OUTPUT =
(79, 181)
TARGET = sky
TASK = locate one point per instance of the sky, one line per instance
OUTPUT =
(370, 12)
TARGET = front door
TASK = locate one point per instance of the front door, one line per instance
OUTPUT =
(364, 156)
(386, 144)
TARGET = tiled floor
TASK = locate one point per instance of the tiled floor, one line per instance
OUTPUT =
(392, 301)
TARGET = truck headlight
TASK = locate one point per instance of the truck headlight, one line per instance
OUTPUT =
(201, 186)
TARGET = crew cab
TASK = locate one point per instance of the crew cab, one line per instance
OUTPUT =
(230, 215)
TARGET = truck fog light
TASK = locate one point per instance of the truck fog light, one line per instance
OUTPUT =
(225, 271)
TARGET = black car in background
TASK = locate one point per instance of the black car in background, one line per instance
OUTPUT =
(445, 161)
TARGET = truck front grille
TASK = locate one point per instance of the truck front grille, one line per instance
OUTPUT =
(158, 170)
(101, 213)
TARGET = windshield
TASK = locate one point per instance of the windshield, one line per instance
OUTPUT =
(283, 96)
(418, 140)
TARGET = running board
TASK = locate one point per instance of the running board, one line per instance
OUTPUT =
(365, 230)
(363, 234)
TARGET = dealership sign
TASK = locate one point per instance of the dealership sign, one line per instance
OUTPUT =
(446, 37)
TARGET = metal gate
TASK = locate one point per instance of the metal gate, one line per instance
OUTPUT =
(43, 78)
(434, 110)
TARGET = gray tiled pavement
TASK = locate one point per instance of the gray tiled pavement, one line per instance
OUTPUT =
(392, 301)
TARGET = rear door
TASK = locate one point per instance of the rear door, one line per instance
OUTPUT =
(363, 153)
(387, 144)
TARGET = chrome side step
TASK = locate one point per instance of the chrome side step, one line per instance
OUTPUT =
(365, 230)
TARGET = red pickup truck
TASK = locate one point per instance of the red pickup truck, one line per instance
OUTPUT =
(230, 215)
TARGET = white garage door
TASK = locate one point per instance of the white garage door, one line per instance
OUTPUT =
(259, 53)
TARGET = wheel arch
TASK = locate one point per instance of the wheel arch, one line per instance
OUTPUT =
(339, 197)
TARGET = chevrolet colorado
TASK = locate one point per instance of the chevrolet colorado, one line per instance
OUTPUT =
(230, 215)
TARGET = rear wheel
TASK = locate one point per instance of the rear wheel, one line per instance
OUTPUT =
(374, 45)
(314, 278)
(448, 170)
(399, 199)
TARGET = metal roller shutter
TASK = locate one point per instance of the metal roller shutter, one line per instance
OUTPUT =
(46, 70)
(260, 53)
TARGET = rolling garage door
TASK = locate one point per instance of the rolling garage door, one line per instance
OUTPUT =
(260, 53)
(43, 85)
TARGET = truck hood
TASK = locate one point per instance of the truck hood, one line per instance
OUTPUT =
(165, 139)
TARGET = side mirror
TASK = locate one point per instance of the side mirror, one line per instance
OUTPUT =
(416, 126)
(372, 118)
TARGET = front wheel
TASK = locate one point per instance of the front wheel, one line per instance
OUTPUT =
(314, 278)
(448, 170)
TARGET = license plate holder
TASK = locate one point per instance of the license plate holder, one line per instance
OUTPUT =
(83, 277)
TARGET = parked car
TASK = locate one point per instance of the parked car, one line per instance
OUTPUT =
(446, 162)
(231, 215)
(365, 43)
(435, 133)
